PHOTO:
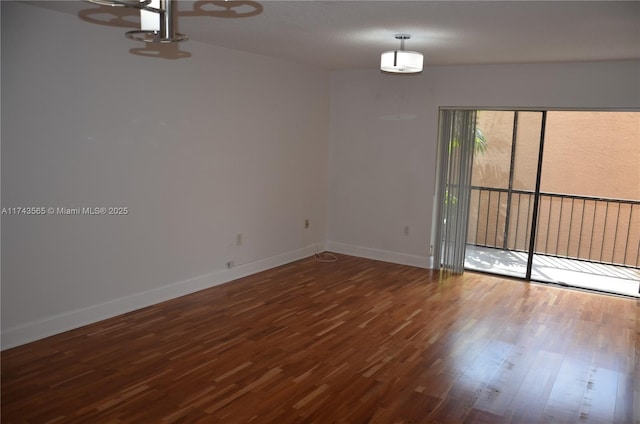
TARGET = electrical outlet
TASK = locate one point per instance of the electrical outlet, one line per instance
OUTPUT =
(306, 223)
(230, 264)
(239, 239)
(406, 230)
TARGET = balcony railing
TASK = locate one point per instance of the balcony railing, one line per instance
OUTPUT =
(595, 229)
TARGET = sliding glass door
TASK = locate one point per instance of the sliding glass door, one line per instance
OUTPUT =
(504, 178)
(588, 232)
(551, 196)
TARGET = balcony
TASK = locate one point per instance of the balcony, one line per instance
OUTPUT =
(581, 241)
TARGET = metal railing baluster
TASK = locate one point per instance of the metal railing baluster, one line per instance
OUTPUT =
(603, 247)
(559, 223)
(527, 236)
(495, 235)
(486, 228)
(615, 236)
(570, 227)
(593, 223)
(604, 230)
(515, 240)
(546, 237)
(584, 202)
(626, 245)
(478, 217)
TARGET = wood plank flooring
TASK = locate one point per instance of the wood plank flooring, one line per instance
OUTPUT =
(355, 341)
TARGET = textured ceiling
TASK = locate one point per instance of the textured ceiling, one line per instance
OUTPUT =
(352, 34)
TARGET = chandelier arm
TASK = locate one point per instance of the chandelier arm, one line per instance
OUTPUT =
(154, 37)
(135, 4)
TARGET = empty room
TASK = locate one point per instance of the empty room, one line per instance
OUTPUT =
(320, 211)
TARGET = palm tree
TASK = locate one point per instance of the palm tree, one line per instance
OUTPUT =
(480, 145)
(480, 140)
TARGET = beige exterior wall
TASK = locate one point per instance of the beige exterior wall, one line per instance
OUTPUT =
(594, 154)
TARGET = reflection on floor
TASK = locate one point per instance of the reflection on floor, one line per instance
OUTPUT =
(588, 275)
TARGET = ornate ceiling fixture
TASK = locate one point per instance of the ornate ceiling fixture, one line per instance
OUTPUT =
(157, 23)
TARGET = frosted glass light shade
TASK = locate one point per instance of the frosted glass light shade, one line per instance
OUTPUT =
(401, 61)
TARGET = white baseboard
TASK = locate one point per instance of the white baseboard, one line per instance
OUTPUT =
(56, 324)
(380, 255)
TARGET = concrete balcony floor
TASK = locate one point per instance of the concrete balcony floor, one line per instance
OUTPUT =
(569, 272)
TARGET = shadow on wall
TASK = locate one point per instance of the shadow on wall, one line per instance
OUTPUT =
(126, 17)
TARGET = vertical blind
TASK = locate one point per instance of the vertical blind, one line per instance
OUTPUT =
(456, 140)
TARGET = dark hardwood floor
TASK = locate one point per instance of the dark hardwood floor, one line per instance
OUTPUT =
(355, 341)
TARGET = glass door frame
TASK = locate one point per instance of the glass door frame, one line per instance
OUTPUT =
(536, 199)
(534, 227)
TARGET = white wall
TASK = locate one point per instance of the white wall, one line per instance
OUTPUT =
(221, 143)
(384, 130)
(198, 149)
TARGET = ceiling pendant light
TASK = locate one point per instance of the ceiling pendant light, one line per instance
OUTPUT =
(401, 61)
